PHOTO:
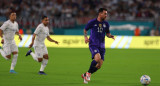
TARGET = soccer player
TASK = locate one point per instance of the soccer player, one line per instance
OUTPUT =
(41, 52)
(99, 27)
(7, 33)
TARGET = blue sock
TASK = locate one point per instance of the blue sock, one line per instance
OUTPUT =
(93, 68)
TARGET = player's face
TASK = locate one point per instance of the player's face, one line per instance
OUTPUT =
(45, 21)
(13, 16)
(103, 15)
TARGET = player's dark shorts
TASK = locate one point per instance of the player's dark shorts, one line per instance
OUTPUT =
(94, 50)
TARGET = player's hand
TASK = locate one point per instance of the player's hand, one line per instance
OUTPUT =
(112, 37)
(56, 42)
(20, 37)
(30, 45)
(2, 41)
(86, 40)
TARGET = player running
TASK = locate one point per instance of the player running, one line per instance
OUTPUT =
(99, 27)
(7, 33)
(41, 52)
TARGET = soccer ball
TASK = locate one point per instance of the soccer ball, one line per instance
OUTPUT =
(145, 80)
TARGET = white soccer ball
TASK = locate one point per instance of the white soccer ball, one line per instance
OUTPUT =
(145, 80)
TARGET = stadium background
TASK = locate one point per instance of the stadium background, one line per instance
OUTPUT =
(136, 24)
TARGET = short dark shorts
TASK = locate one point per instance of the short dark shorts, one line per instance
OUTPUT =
(94, 50)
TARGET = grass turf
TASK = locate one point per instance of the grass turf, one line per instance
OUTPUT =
(122, 67)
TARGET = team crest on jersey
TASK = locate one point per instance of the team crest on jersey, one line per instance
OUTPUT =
(100, 25)
(95, 51)
(104, 25)
(95, 25)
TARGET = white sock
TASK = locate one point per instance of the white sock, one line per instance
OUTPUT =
(43, 64)
(3, 54)
(34, 56)
(14, 61)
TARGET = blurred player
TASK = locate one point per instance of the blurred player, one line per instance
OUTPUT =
(41, 52)
(99, 27)
(7, 33)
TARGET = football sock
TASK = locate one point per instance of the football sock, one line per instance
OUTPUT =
(14, 61)
(43, 64)
(93, 68)
(84, 74)
(3, 54)
(34, 56)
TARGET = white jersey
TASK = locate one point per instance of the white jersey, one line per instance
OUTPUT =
(9, 29)
(41, 33)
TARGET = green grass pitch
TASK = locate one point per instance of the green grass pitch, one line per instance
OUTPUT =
(122, 67)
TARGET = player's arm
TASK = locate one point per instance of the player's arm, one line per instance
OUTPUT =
(110, 36)
(17, 33)
(1, 35)
(51, 40)
(20, 37)
(87, 27)
(85, 36)
(2, 28)
(33, 38)
(38, 29)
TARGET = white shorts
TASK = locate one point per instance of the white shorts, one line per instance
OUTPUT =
(40, 51)
(9, 48)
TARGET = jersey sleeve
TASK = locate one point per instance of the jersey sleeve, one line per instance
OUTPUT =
(107, 28)
(88, 26)
(38, 29)
(4, 26)
(17, 30)
(48, 34)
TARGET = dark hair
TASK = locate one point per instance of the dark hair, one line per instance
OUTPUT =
(101, 10)
(43, 17)
(11, 10)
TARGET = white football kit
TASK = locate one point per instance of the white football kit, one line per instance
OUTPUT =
(39, 46)
(9, 29)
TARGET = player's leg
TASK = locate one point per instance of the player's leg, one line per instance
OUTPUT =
(6, 52)
(45, 61)
(37, 56)
(32, 54)
(14, 50)
(44, 64)
(83, 77)
(93, 68)
(102, 53)
(14, 61)
(98, 66)
(96, 59)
